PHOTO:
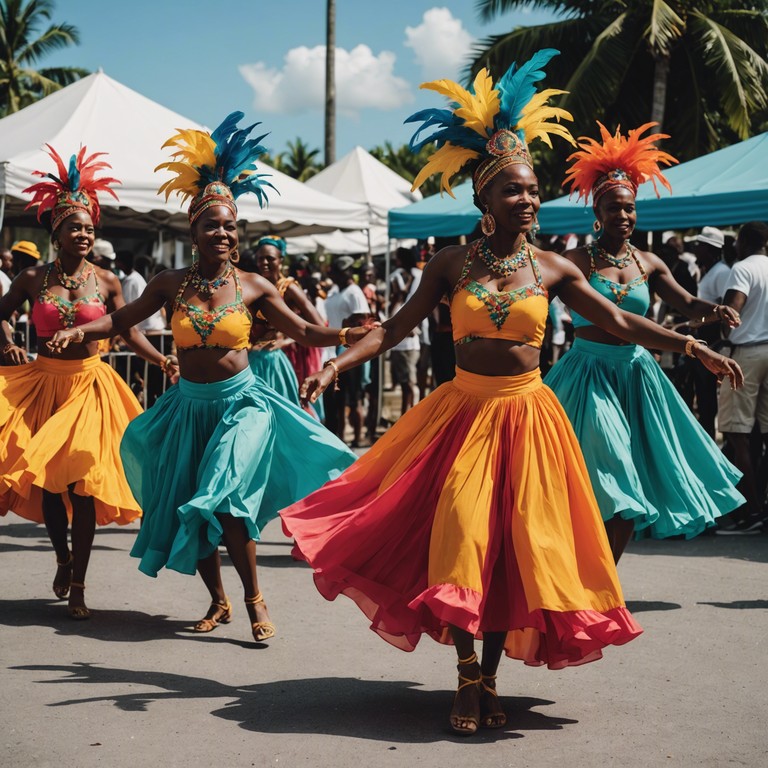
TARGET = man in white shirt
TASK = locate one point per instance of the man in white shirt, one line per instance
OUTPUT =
(6, 267)
(740, 410)
(346, 307)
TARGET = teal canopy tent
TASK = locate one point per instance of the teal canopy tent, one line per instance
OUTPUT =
(729, 186)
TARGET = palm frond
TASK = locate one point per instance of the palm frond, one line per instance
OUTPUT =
(664, 27)
(53, 39)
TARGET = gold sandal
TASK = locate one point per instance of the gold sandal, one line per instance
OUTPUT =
(490, 719)
(62, 590)
(79, 612)
(262, 630)
(209, 623)
(470, 722)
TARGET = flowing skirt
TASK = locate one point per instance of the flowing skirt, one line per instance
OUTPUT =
(232, 447)
(648, 458)
(274, 368)
(305, 361)
(61, 422)
(474, 510)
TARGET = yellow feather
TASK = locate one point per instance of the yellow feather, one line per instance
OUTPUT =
(535, 114)
(448, 160)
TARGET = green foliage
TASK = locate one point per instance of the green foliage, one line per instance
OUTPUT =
(22, 45)
(300, 162)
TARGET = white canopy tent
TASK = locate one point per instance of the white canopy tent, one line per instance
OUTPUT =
(359, 178)
(105, 116)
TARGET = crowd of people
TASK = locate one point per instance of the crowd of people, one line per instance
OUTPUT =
(498, 504)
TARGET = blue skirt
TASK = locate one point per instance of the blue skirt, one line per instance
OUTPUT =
(232, 447)
(648, 458)
(274, 368)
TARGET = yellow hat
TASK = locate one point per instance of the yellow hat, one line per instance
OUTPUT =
(27, 247)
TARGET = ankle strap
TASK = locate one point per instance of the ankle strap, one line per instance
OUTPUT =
(469, 660)
(76, 585)
(259, 598)
(487, 677)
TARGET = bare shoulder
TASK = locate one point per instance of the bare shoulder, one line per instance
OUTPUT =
(447, 263)
(107, 278)
(554, 266)
(650, 261)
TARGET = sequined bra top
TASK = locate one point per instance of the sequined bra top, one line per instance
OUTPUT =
(634, 296)
(51, 312)
(516, 315)
(227, 326)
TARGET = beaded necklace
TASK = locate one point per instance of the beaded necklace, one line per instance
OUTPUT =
(506, 265)
(615, 261)
(73, 282)
(205, 287)
(619, 290)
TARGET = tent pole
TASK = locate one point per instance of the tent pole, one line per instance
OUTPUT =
(2, 211)
(386, 313)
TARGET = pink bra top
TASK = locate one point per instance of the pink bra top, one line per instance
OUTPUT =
(51, 313)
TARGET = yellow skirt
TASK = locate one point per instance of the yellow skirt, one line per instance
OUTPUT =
(474, 510)
(61, 422)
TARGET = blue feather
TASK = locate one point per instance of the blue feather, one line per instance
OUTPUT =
(74, 174)
(518, 86)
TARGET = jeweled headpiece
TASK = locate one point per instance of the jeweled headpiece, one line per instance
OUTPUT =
(215, 168)
(619, 161)
(75, 189)
(492, 123)
(273, 240)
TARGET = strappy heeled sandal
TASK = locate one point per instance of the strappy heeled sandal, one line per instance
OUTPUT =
(489, 719)
(262, 630)
(79, 612)
(465, 725)
(209, 623)
(62, 590)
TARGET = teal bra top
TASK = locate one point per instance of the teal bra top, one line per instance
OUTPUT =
(634, 296)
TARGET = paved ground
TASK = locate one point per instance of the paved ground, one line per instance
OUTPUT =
(133, 687)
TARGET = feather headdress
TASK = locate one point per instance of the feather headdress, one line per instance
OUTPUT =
(619, 161)
(215, 168)
(494, 123)
(75, 189)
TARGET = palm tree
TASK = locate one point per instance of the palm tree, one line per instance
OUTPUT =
(299, 162)
(408, 164)
(20, 49)
(697, 67)
(330, 82)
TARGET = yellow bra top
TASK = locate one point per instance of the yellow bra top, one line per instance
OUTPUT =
(227, 326)
(516, 315)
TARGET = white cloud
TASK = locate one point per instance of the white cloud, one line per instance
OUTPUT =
(440, 44)
(363, 81)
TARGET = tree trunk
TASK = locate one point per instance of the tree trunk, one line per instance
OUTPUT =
(330, 83)
(660, 78)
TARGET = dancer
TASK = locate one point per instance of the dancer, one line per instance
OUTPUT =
(61, 420)
(269, 357)
(215, 457)
(653, 468)
(473, 516)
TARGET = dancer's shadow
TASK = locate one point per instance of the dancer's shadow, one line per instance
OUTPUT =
(638, 606)
(391, 711)
(740, 604)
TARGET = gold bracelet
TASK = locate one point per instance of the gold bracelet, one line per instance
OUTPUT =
(343, 337)
(332, 364)
(7, 347)
(80, 336)
(691, 344)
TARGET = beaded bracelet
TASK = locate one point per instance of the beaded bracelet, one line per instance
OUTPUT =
(332, 364)
(80, 335)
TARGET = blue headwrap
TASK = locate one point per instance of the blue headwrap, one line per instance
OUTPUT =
(278, 242)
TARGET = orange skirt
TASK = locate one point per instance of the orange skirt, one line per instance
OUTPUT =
(474, 510)
(61, 422)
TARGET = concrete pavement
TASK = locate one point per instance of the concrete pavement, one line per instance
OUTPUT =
(133, 687)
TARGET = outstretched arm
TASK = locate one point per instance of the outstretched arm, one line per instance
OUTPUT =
(21, 290)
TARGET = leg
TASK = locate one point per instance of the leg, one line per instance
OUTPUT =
(491, 713)
(465, 715)
(242, 552)
(619, 533)
(220, 610)
(57, 525)
(83, 530)
(742, 458)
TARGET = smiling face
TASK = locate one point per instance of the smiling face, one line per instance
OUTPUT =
(75, 235)
(268, 261)
(215, 234)
(513, 198)
(616, 211)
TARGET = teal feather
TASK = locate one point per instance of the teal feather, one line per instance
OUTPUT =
(518, 86)
(73, 174)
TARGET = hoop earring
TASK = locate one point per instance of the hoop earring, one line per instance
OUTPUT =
(195, 252)
(56, 245)
(234, 257)
(596, 226)
(535, 228)
(487, 223)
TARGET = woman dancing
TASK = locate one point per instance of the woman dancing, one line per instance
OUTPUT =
(216, 457)
(62, 419)
(653, 468)
(474, 516)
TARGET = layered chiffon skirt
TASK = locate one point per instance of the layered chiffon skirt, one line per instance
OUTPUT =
(474, 509)
(233, 447)
(61, 422)
(650, 461)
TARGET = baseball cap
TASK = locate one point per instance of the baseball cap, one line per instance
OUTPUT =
(343, 263)
(26, 247)
(103, 248)
(711, 236)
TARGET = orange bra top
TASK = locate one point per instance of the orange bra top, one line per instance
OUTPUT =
(516, 315)
(227, 326)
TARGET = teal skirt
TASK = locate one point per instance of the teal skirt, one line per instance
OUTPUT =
(274, 368)
(232, 447)
(648, 458)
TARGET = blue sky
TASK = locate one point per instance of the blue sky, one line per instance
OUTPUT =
(204, 60)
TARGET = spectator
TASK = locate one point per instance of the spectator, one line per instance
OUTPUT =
(25, 254)
(102, 254)
(404, 361)
(6, 270)
(740, 410)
